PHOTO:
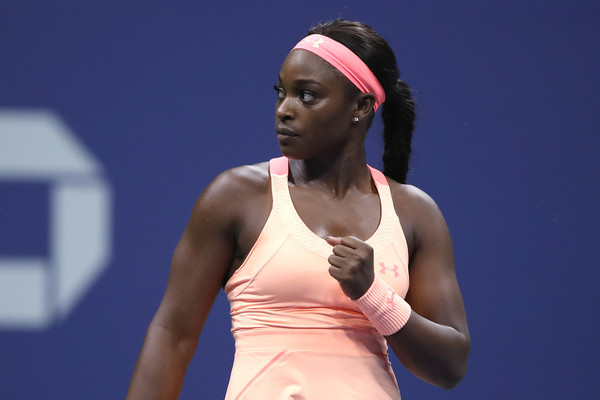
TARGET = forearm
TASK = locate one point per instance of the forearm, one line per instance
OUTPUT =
(161, 366)
(433, 352)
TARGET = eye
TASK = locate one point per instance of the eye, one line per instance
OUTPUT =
(280, 92)
(306, 96)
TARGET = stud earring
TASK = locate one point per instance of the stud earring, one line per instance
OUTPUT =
(355, 120)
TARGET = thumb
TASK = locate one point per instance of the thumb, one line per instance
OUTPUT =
(333, 240)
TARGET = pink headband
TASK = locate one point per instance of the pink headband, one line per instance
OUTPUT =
(345, 61)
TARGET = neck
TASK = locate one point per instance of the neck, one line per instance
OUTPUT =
(336, 174)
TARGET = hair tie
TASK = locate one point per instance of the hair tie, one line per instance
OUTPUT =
(345, 61)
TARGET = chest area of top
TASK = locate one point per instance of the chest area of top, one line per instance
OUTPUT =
(327, 214)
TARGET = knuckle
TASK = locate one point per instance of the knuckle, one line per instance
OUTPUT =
(333, 271)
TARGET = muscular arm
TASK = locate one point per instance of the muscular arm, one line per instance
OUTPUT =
(435, 342)
(198, 267)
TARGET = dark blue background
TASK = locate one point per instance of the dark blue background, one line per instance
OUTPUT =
(168, 94)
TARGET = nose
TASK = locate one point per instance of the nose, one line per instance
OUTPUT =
(284, 109)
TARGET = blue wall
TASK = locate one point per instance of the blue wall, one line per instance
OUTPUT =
(164, 95)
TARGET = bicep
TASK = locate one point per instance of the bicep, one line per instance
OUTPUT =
(198, 266)
(434, 291)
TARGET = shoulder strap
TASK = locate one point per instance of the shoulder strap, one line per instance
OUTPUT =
(378, 176)
(278, 166)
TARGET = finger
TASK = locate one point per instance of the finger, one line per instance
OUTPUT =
(359, 247)
(342, 251)
(336, 272)
(333, 240)
(352, 242)
(336, 261)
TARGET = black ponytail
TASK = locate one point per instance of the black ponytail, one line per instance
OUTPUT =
(398, 114)
(398, 110)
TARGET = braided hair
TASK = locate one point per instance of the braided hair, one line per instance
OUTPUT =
(398, 110)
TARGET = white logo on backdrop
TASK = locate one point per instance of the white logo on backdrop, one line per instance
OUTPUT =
(38, 146)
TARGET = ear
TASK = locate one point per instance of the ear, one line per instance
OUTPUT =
(365, 104)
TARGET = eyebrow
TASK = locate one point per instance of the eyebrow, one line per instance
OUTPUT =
(302, 81)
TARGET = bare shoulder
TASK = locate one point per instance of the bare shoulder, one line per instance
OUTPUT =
(405, 195)
(238, 181)
(228, 198)
(253, 176)
(418, 212)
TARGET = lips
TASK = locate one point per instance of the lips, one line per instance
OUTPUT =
(282, 130)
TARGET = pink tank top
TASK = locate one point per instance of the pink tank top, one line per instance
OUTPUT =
(297, 335)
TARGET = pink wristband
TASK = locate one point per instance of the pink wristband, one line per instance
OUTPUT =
(387, 311)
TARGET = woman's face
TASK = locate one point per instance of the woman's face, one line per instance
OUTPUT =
(314, 114)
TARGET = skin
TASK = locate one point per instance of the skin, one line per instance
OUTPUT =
(333, 193)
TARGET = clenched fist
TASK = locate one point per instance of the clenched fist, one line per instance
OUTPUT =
(351, 264)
